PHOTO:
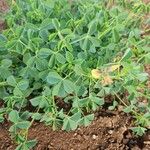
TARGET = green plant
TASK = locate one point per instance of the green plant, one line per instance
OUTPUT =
(19, 130)
(48, 53)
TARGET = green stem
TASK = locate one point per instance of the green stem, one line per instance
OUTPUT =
(27, 130)
(73, 42)
(2, 84)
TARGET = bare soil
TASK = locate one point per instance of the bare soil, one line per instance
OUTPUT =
(146, 1)
(3, 8)
(109, 130)
(147, 69)
(2, 25)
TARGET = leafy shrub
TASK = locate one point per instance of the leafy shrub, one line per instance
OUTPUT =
(73, 53)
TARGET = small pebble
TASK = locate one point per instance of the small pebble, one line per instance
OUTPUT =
(94, 137)
(50, 147)
(75, 134)
(110, 131)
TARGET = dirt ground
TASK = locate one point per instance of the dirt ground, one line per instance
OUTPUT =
(146, 1)
(3, 8)
(109, 130)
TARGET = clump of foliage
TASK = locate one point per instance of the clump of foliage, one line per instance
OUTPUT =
(72, 52)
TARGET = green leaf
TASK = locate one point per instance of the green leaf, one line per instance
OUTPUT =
(115, 103)
(116, 36)
(36, 101)
(139, 130)
(58, 90)
(17, 92)
(31, 26)
(66, 31)
(128, 109)
(6, 63)
(11, 81)
(13, 116)
(52, 36)
(19, 147)
(30, 144)
(86, 120)
(24, 147)
(69, 46)
(42, 75)
(51, 61)
(39, 101)
(4, 73)
(44, 53)
(76, 117)
(25, 115)
(85, 45)
(56, 23)
(68, 86)
(36, 116)
(101, 93)
(127, 55)
(41, 64)
(95, 41)
(53, 78)
(147, 58)
(92, 49)
(26, 57)
(142, 77)
(23, 125)
(1, 118)
(92, 27)
(97, 100)
(43, 103)
(31, 62)
(107, 90)
(46, 24)
(2, 38)
(78, 70)
(80, 90)
(23, 85)
(44, 34)
(47, 91)
(69, 124)
(60, 58)
(69, 57)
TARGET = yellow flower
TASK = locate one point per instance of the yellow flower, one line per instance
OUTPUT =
(96, 73)
(107, 80)
(113, 68)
